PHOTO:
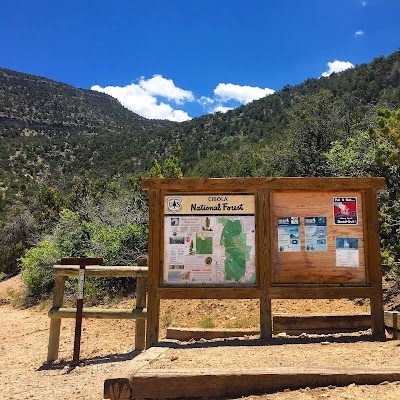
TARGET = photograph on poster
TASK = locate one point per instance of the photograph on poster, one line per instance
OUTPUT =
(315, 230)
(289, 234)
(347, 253)
(345, 210)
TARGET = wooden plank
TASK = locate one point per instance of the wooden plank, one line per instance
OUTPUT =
(155, 234)
(374, 262)
(392, 319)
(55, 323)
(308, 266)
(101, 271)
(239, 292)
(246, 184)
(140, 325)
(114, 386)
(291, 324)
(81, 261)
(321, 292)
(117, 389)
(264, 261)
(218, 383)
(142, 262)
(392, 323)
(185, 334)
(321, 323)
(60, 312)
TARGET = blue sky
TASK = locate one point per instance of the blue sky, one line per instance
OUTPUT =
(180, 59)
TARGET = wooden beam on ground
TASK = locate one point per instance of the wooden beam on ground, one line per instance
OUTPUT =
(117, 389)
(321, 323)
(392, 323)
(291, 324)
(186, 334)
(114, 386)
(60, 312)
(213, 383)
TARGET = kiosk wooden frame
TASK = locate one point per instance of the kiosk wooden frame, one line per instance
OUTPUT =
(368, 284)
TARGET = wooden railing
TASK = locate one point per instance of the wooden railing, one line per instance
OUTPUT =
(57, 311)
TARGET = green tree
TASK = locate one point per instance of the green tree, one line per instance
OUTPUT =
(315, 124)
(387, 158)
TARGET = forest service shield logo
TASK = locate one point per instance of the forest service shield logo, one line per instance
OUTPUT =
(174, 204)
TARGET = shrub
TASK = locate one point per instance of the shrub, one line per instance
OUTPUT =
(37, 273)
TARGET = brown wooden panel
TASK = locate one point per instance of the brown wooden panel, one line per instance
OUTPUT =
(315, 267)
(241, 292)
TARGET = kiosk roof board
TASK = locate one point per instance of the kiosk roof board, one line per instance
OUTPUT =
(263, 238)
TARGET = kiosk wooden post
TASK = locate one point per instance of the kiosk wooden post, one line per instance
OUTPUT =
(55, 323)
(289, 262)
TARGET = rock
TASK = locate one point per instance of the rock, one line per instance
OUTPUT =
(325, 343)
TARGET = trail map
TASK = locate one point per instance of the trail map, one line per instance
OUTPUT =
(210, 249)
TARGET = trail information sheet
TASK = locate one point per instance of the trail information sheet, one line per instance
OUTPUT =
(289, 234)
(347, 254)
(209, 239)
(315, 234)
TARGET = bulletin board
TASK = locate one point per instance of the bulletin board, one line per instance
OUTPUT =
(263, 238)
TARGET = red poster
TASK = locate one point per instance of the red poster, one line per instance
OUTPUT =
(345, 210)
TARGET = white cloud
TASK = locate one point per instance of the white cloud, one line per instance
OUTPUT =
(364, 3)
(359, 33)
(242, 94)
(222, 109)
(159, 86)
(142, 99)
(205, 101)
(337, 66)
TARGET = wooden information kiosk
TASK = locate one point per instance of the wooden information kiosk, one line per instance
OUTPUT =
(263, 238)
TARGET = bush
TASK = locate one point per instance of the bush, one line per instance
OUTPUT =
(37, 272)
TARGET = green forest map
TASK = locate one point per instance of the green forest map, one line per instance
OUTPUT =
(237, 253)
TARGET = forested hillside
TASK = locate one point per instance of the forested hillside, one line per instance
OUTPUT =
(50, 130)
(88, 154)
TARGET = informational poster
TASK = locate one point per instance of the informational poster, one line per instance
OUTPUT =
(289, 234)
(209, 239)
(315, 234)
(347, 254)
(345, 210)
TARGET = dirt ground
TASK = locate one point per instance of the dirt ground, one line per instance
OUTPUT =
(106, 349)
